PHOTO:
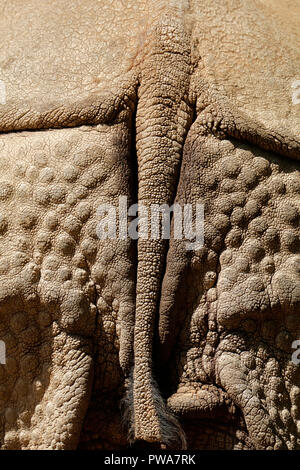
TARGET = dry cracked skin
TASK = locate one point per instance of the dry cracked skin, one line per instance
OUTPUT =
(159, 101)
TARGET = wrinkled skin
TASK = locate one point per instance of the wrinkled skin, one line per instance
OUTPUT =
(158, 101)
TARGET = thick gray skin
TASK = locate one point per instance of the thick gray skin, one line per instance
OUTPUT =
(78, 313)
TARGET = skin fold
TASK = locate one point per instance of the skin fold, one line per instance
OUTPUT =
(175, 101)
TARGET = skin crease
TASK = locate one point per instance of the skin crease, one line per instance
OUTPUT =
(197, 106)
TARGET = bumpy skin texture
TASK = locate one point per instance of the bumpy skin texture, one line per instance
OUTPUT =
(155, 101)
